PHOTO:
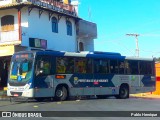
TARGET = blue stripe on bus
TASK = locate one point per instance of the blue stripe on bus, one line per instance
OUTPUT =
(105, 56)
(147, 81)
(54, 53)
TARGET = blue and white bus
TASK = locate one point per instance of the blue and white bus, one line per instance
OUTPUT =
(59, 75)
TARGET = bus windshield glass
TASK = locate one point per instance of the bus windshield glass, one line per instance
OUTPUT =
(21, 67)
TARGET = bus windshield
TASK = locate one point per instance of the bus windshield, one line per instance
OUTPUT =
(21, 68)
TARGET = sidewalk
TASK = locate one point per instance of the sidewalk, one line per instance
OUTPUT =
(145, 95)
(3, 95)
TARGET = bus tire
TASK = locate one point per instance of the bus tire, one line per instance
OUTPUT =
(61, 93)
(123, 92)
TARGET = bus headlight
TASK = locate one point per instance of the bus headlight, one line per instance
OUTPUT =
(27, 86)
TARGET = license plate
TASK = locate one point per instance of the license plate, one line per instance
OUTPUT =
(15, 95)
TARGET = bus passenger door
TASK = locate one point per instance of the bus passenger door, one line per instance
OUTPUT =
(43, 82)
(146, 71)
(88, 86)
(83, 70)
(102, 80)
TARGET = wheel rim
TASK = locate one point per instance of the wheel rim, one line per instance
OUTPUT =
(59, 93)
(123, 92)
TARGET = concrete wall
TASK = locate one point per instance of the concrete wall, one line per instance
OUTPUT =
(8, 36)
(88, 44)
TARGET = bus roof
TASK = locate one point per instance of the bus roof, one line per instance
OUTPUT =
(137, 58)
(95, 54)
(78, 54)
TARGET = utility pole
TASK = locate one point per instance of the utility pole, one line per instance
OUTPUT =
(137, 47)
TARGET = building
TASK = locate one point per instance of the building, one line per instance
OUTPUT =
(41, 24)
(157, 66)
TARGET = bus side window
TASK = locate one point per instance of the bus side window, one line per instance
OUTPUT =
(89, 66)
(133, 66)
(64, 65)
(100, 66)
(121, 65)
(127, 68)
(60, 65)
(43, 65)
(145, 67)
(70, 65)
(113, 66)
(80, 65)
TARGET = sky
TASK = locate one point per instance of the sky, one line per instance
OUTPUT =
(116, 18)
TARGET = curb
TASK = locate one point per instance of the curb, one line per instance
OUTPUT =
(4, 98)
(145, 96)
(3, 95)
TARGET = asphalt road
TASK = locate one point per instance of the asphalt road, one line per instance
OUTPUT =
(133, 105)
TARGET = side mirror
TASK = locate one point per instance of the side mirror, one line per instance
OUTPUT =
(41, 64)
(41, 71)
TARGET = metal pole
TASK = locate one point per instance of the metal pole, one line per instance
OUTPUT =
(137, 47)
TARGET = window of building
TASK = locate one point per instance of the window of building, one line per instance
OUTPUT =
(54, 25)
(7, 23)
(69, 28)
(81, 46)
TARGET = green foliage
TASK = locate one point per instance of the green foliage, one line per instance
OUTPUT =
(158, 59)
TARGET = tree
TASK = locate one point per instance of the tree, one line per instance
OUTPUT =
(158, 59)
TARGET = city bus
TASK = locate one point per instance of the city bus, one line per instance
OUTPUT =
(60, 75)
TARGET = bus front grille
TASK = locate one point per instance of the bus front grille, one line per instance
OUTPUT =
(16, 93)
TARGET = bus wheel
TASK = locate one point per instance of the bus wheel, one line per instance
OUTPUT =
(123, 92)
(61, 93)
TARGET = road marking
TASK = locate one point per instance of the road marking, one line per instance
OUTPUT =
(35, 106)
(58, 102)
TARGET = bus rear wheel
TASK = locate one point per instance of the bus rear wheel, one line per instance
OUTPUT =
(61, 93)
(123, 92)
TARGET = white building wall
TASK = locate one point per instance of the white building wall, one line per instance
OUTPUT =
(88, 44)
(35, 27)
(9, 35)
(25, 26)
(42, 28)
